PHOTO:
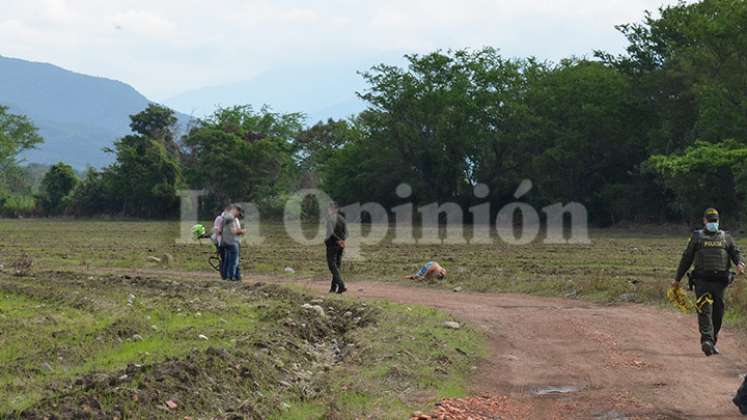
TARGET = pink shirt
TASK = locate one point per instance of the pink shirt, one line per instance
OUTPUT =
(218, 228)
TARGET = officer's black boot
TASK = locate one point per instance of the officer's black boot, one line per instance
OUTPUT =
(709, 348)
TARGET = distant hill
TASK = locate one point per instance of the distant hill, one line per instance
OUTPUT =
(78, 115)
(321, 89)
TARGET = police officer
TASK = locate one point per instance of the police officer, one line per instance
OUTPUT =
(712, 250)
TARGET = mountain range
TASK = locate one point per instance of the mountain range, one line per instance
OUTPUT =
(321, 90)
(80, 115)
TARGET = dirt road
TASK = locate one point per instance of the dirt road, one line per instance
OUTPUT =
(567, 359)
(559, 358)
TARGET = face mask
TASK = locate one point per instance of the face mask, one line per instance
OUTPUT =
(712, 226)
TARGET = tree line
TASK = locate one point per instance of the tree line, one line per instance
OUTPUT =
(654, 134)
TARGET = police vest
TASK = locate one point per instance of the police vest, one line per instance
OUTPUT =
(711, 252)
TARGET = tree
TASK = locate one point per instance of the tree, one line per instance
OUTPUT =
(147, 173)
(318, 144)
(145, 177)
(706, 175)
(688, 64)
(687, 67)
(581, 130)
(156, 122)
(425, 120)
(17, 134)
(587, 140)
(56, 187)
(445, 122)
(452, 120)
(238, 154)
(95, 195)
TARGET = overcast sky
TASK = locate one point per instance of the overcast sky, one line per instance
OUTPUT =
(165, 47)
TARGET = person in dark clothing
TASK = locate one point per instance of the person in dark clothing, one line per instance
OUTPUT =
(713, 251)
(337, 232)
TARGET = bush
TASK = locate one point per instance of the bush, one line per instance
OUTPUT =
(93, 196)
(273, 207)
(705, 175)
(17, 206)
(56, 187)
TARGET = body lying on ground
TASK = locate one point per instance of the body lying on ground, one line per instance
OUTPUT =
(429, 271)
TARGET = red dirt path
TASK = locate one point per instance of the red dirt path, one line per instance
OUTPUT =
(618, 361)
(625, 361)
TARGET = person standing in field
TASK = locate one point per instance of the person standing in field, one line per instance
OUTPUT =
(217, 238)
(231, 238)
(713, 251)
(337, 232)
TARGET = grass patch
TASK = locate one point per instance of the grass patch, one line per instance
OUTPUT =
(262, 354)
(389, 372)
(410, 360)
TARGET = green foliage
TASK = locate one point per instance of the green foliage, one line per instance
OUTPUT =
(17, 134)
(688, 64)
(706, 175)
(16, 180)
(156, 122)
(239, 154)
(452, 120)
(17, 205)
(319, 143)
(425, 124)
(144, 179)
(349, 173)
(586, 136)
(33, 174)
(95, 194)
(56, 186)
(448, 120)
(581, 130)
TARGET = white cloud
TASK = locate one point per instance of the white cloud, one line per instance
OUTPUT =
(167, 46)
(144, 24)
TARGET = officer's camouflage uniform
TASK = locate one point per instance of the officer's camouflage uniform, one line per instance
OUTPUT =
(712, 253)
